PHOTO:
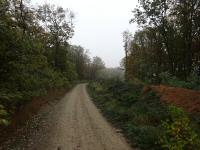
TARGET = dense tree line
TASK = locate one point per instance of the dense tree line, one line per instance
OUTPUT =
(35, 54)
(168, 40)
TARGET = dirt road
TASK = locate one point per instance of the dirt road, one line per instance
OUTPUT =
(72, 124)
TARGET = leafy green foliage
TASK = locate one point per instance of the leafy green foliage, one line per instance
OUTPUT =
(192, 83)
(140, 115)
(178, 135)
(35, 55)
(3, 116)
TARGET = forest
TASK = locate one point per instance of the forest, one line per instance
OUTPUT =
(157, 104)
(166, 47)
(35, 53)
(152, 99)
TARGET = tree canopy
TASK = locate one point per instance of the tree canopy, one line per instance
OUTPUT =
(35, 54)
(167, 41)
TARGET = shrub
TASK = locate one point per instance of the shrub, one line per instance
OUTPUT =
(144, 137)
(194, 79)
(136, 113)
(148, 124)
(167, 78)
(3, 116)
(177, 133)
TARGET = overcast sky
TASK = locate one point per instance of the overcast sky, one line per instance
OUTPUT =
(99, 25)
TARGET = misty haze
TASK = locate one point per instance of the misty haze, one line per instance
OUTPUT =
(99, 75)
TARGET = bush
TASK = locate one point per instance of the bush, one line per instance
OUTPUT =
(144, 137)
(177, 133)
(141, 115)
(168, 79)
(3, 116)
(136, 113)
(194, 79)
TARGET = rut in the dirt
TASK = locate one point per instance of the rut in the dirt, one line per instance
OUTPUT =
(72, 124)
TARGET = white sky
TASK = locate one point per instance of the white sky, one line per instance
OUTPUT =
(99, 25)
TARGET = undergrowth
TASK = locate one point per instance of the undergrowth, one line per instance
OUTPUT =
(144, 120)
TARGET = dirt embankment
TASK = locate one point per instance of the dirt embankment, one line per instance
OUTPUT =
(27, 111)
(188, 99)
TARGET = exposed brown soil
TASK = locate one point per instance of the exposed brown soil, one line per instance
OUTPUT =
(189, 100)
(27, 111)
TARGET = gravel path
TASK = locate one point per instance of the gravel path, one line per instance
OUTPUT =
(74, 123)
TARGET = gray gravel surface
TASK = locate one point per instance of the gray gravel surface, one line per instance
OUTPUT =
(74, 123)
